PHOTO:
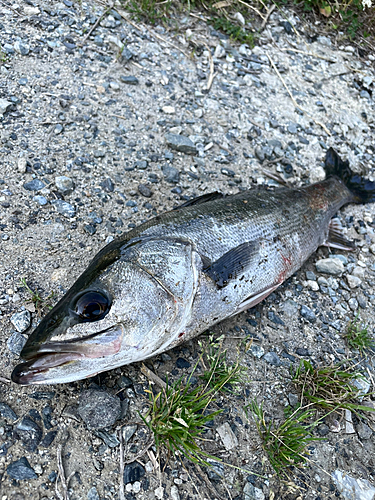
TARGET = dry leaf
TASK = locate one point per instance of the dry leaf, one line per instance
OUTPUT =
(221, 5)
(181, 421)
(325, 11)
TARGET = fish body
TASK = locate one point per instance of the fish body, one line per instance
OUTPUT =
(176, 275)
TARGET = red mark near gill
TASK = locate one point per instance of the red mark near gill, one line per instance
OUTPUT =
(181, 334)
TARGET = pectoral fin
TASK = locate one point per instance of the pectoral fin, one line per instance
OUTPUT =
(232, 264)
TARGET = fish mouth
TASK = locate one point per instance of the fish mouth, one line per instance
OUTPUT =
(58, 354)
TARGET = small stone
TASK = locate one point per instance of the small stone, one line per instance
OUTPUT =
(99, 153)
(353, 304)
(353, 281)
(259, 153)
(257, 351)
(362, 384)
(58, 129)
(227, 436)
(21, 164)
(353, 489)
(169, 110)
(181, 143)
(275, 318)
(41, 200)
(250, 492)
(239, 17)
(48, 439)
(302, 351)
(159, 492)
(128, 432)
(330, 266)
(141, 164)
(364, 431)
(34, 185)
(272, 358)
(323, 430)
(16, 343)
(145, 190)
(64, 184)
(219, 51)
(7, 412)
(20, 470)
(114, 85)
(64, 208)
(129, 80)
(21, 321)
(310, 276)
(308, 314)
(29, 433)
(98, 408)
(175, 495)
(171, 174)
(313, 285)
(182, 363)
(93, 494)
(108, 185)
(21, 48)
(89, 229)
(349, 428)
(4, 105)
(290, 308)
(133, 472)
(110, 439)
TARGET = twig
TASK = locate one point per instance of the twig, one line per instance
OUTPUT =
(5, 380)
(312, 54)
(95, 26)
(153, 377)
(265, 20)
(141, 453)
(120, 116)
(121, 492)
(212, 69)
(64, 481)
(293, 100)
(253, 8)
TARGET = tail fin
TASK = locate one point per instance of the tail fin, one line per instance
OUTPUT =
(362, 189)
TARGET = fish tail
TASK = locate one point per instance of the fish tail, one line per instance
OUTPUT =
(362, 189)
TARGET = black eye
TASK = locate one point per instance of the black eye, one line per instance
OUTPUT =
(92, 306)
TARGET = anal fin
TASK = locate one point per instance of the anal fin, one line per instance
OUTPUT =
(254, 299)
(336, 238)
(230, 265)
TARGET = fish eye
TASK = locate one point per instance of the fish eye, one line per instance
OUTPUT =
(92, 306)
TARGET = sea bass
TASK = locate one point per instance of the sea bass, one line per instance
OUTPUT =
(181, 272)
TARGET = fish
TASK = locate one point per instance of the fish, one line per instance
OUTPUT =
(179, 273)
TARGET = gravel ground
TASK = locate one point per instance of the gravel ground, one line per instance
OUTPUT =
(85, 155)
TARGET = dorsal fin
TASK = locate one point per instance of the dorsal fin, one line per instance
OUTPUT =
(201, 199)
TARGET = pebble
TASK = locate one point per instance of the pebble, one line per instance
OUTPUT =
(175, 495)
(64, 208)
(128, 432)
(219, 52)
(29, 433)
(41, 200)
(323, 430)
(144, 190)
(351, 488)
(34, 185)
(93, 494)
(7, 412)
(129, 80)
(364, 431)
(98, 409)
(353, 281)
(16, 342)
(308, 314)
(250, 492)
(133, 472)
(256, 350)
(20, 470)
(290, 308)
(272, 358)
(64, 184)
(182, 363)
(21, 320)
(171, 174)
(181, 143)
(4, 105)
(330, 266)
(227, 436)
(21, 48)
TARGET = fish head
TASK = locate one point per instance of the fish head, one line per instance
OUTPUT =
(124, 315)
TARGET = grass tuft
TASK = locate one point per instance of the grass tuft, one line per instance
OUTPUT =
(329, 387)
(38, 301)
(286, 444)
(221, 373)
(358, 337)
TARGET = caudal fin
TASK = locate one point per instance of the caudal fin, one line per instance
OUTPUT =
(362, 189)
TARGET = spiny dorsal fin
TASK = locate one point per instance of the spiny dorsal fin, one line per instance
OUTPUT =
(201, 199)
(336, 238)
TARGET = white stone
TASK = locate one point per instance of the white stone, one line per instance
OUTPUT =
(219, 51)
(169, 110)
(313, 285)
(159, 492)
(239, 17)
(349, 428)
(252, 493)
(353, 281)
(353, 489)
(330, 266)
(174, 493)
(228, 437)
(21, 165)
